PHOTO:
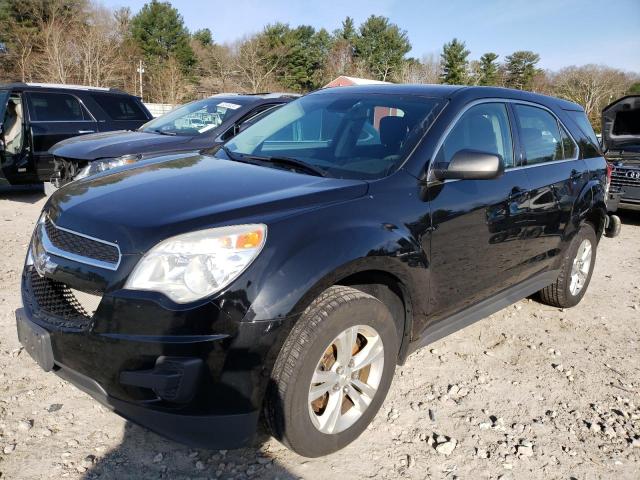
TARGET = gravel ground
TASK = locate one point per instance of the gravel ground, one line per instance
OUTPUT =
(531, 392)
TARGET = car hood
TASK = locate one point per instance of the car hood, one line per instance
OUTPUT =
(140, 206)
(621, 124)
(117, 143)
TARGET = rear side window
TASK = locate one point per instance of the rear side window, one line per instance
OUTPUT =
(483, 127)
(56, 107)
(120, 107)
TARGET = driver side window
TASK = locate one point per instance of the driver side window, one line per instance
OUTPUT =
(483, 127)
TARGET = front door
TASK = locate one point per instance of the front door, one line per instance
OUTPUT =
(54, 117)
(15, 152)
(477, 225)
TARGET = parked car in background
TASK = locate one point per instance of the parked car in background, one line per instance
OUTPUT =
(621, 144)
(322, 246)
(191, 127)
(35, 116)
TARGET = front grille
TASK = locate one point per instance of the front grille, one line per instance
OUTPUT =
(80, 245)
(625, 177)
(57, 304)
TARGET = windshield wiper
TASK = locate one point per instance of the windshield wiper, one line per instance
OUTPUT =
(162, 132)
(294, 163)
(284, 161)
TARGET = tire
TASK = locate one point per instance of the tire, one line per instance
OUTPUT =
(311, 348)
(560, 293)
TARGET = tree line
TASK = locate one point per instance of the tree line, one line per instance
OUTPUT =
(79, 41)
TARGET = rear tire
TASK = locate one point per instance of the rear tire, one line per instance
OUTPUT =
(313, 363)
(575, 272)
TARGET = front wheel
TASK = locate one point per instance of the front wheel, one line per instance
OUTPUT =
(332, 373)
(575, 272)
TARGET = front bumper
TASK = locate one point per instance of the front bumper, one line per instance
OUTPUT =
(202, 431)
(215, 406)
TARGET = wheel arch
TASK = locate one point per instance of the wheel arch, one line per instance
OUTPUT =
(589, 207)
(393, 293)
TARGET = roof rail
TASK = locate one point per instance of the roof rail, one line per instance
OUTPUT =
(67, 85)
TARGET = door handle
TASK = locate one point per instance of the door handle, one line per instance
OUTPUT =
(517, 192)
(86, 131)
(575, 174)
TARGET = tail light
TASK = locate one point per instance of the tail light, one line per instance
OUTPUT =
(609, 175)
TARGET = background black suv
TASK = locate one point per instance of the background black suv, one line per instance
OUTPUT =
(35, 116)
(191, 127)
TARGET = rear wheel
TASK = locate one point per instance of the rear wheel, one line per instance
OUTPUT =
(332, 373)
(575, 272)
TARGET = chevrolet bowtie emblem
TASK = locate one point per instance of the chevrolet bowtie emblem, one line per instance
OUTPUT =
(43, 264)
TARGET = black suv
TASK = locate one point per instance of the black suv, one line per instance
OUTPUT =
(195, 126)
(35, 116)
(621, 142)
(290, 271)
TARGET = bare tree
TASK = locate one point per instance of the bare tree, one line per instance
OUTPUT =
(427, 70)
(98, 43)
(217, 67)
(168, 83)
(339, 60)
(22, 55)
(60, 57)
(254, 66)
(592, 86)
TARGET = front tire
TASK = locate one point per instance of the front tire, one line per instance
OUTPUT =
(575, 272)
(333, 372)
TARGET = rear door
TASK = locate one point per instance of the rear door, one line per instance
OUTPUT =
(556, 175)
(54, 116)
(476, 250)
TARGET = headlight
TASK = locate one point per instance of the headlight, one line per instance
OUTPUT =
(106, 164)
(195, 265)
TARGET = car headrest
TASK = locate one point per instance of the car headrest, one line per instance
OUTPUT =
(393, 131)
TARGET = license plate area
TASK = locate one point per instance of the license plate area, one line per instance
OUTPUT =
(35, 340)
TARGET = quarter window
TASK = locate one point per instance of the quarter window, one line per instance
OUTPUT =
(119, 107)
(56, 107)
(483, 127)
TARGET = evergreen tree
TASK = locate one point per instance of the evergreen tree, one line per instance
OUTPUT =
(488, 69)
(381, 46)
(454, 62)
(300, 54)
(348, 30)
(159, 31)
(203, 36)
(634, 89)
(521, 69)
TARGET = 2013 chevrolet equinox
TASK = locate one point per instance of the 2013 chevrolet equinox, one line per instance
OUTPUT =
(289, 271)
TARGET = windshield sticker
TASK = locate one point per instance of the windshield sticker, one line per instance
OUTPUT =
(208, 127)
(232, 106)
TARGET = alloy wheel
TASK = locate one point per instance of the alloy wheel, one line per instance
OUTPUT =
(346, 379)
(580, 267)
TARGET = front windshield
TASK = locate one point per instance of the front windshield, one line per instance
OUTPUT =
(195, 118)
(344, 135)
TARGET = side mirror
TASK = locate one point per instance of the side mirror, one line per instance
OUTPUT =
(471, 165)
